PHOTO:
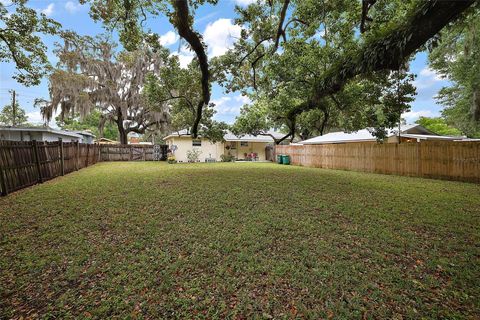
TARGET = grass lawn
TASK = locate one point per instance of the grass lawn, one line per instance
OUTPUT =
(244, 240)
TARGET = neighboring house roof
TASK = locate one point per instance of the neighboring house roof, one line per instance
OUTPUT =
(229, 136)
(42, 129)
(430, 137)
(85, 133)
(408, 131)
(106, 141)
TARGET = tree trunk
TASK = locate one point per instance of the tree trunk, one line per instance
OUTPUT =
(122, 133)
(182, 21)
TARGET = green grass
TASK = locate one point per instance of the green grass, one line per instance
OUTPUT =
(151, 240)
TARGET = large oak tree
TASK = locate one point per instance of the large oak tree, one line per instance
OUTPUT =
(92, 75)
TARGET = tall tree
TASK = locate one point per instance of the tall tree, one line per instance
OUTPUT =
(93, 76)
(9, 118)
(128, 18)
(20, 40)
(323, 37)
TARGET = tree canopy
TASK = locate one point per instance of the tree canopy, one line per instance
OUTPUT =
(439, 126)
(315, 52)
(91, 122)
(457, 58)
(92, 75)
(10, 118)
(20, 40)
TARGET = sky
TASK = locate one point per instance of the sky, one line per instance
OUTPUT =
(219, 32)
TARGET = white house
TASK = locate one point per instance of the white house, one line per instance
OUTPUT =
(239, 147)
(87, 136)
(408, 133)
(44, 134)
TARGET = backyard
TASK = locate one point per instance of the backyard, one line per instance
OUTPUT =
(239, 240)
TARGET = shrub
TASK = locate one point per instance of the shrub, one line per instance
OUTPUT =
(171, 159)
(227, 158)
(193, 155)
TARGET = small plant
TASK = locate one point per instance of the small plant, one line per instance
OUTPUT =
(193, 155)
(227, 158)
(171, 159)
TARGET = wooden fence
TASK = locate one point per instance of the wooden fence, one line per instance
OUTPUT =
(118, 152)
(449, 160)
(25, 163)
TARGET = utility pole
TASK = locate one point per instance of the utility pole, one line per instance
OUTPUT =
(14, 109)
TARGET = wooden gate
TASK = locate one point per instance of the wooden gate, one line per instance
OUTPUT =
(138, 153)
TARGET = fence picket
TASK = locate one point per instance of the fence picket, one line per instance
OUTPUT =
(450, 160)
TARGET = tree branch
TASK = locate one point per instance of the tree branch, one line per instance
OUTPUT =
(182, 23)
(386, 53)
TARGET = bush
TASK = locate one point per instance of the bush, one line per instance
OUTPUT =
(171, 159)
(193, 155)
(227, 158)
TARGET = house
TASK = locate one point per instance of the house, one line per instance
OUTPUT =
(239, 147)
(87, 136)
(41, 134)
(408, 133)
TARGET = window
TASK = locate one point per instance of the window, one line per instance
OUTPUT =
(243, 143)
(196, 143)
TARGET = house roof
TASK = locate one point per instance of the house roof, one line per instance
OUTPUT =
(85, 133)
(430, 137)
(229, 136)
(42, 129)
(408, 131)
(106, 141)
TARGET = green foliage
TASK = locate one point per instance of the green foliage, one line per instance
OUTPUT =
(91, 122)
(457, 58)
(93, 76)
(179, 89)
(227, 158)
(20, 40)
(439, 126)
(7, 117)
(194, 155)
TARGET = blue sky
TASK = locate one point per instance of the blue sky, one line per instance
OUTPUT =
(216, 25)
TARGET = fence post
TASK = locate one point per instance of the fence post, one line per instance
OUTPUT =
(419, 159)
(77, 155)
(144, 154)
(3, 178)
(62, 163)
(86, 160)
(131, 153)
(37, 161)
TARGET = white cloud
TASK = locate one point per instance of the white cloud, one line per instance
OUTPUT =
(412, 116)
(185, 56)
(230, 105)
(34, 117)
(244, 3)
(48, 11)
(168, 38)
(220, 35)
(427, 78)
(72, 7)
